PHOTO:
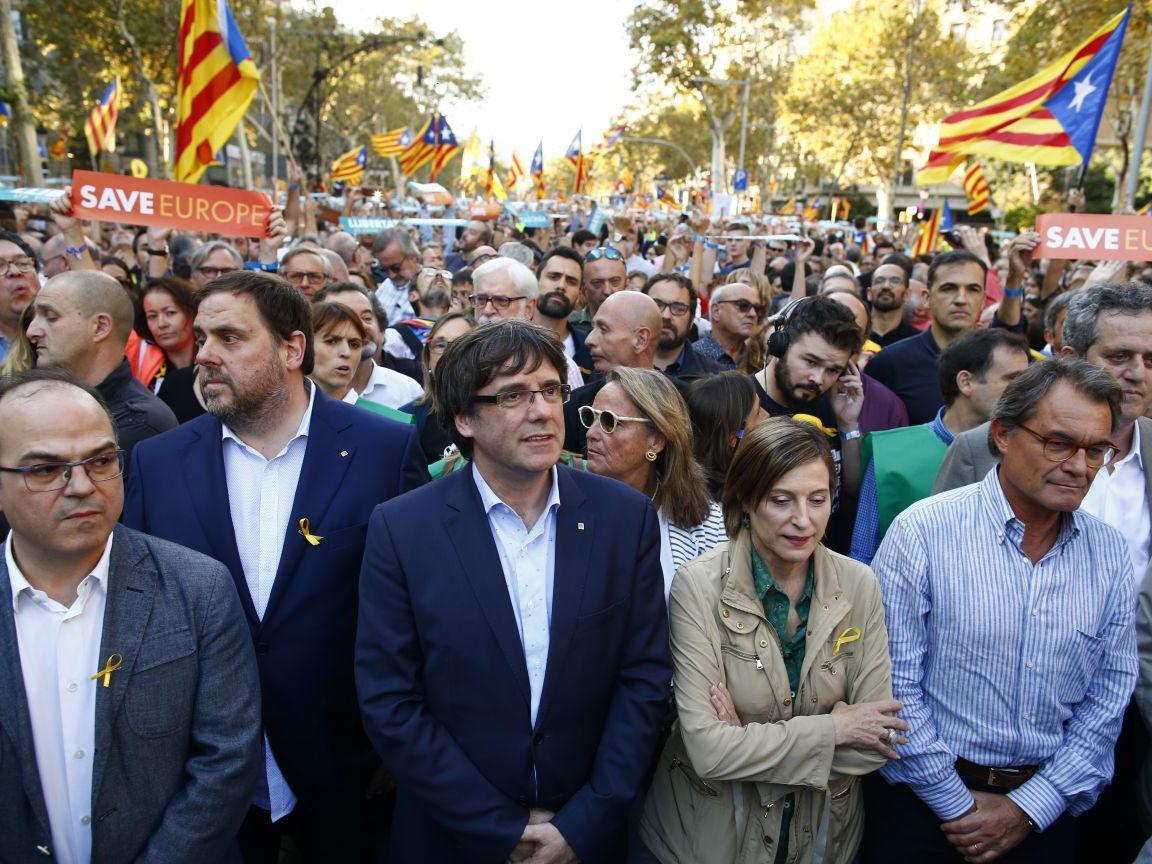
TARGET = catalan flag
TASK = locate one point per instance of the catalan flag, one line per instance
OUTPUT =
(929, 234)
(349, 168)
(100, 128)
(1049, 119)
(392, 143)
(537, 170)
(610, 138)
(515, 171)
(216, 80)
(575, 156)
(446, 147)
(422, 148)
(666, 197)
(977, 189)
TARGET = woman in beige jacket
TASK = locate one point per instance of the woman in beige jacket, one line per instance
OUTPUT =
(782, 676)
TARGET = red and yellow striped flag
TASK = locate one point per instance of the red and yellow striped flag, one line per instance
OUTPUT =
(977, 189)
(100, 129)
(216, 81)
(391, 143)
(515, 171)
(350, 167)
(929, 235)
(1049, 119)
(421, 150)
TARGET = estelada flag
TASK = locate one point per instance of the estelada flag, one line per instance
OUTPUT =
(350, 167)
(392, 143)
(100, 128)
(1049, 119)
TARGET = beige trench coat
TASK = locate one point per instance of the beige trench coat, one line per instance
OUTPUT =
(719, 790)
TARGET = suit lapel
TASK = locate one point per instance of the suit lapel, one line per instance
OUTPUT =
(131, 588)
(14, 718)
(208, 488)
(467, 528)
(326, 462)
(575, 534)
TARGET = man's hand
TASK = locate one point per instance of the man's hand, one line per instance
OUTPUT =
(847, 398)
(970, 239)
(551, 847)
(805, 246)
(1020, 250)
(994, 826)
(275, 233)
(525, 848)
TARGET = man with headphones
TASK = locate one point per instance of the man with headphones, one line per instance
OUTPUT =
(810, 376)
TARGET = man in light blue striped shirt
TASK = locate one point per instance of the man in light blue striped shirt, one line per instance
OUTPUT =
(1010, 618)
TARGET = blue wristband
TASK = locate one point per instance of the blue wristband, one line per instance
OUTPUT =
(258, 265)
(1019, 292)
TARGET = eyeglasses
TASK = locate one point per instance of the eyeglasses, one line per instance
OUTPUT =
(299, 277)
(446, 275)
(609, 252)
(501, 303)
(50, 476)
(877, 281)
(609, 420)
(552, 394)
(1061, 449)
(677, 309)
(742, 306)
(393, 269)
(22, 264)
(215, 272)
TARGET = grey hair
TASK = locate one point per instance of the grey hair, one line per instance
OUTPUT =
(1052, 310)
(307, 250)
(397, 236)
(1023, 396)
(201, 254)
(517, 251)
(1088, 304)
(520, 275)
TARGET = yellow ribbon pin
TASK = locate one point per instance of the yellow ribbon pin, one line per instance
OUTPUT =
(849, 635)
(314, 539)
(114, 663)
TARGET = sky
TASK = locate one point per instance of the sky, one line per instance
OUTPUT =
(549, 67)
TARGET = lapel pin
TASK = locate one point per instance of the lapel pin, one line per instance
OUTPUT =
(579, 526)
(343, 452)
(307, 534)
(114, 663)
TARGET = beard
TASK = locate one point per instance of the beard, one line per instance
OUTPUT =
(436, 298)
(886, 302)
(789, 389)
(251, 407)
(554, 305)
(677, 340)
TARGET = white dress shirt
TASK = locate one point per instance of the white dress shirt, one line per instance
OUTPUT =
(395, 301)
(390, 388)
(1120, 498)
(59, 654)
(260, 496)
(528, 558)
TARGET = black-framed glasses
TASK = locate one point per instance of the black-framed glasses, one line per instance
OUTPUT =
(501, 303)
(215, 272)
(743, 306)
(607, 418)
(677, 309)
(299, 277)
(50, 476)
(553, 394)
(1061, 449)
(609, 252)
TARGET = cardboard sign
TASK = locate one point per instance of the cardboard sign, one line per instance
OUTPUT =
(134, 201)
(1094, 236)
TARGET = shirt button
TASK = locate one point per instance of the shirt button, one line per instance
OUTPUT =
(71, 686)
(84, 820)
(787, 702)
(763, 643)
(723, 613)
(79, 754)
(1028, 664)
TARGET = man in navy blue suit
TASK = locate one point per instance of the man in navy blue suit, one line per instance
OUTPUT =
(277, 482)
(512, 652)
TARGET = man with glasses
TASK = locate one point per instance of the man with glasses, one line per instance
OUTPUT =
(560, 274)
(888, 292)
(213, 260)
(675, 297)
(605, 273)
(518, 719)
(18, 285)
(81, 323)
(306, 269)
(397, 262)
(128, 689)
(1010, 620)
(735, 312)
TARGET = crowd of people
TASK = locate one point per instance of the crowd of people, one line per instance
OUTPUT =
(676, 540)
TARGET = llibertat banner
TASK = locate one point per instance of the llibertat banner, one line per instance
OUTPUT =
(164, 204)
(1095, 236)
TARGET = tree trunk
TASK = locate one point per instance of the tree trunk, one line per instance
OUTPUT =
(23, 124)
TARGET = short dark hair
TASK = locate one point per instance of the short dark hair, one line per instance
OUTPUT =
(328, 313)
(54, 376)
(902, 261)
(583, 236)
(282, 308)
(327, 291)
(17, 240)
(972, 353)
(505, 347)
(831, 321)
(463, 276)
(1021, 397)
(718, 405)
(956, 256)
(565, 252)
(681, 280)
(180, 290)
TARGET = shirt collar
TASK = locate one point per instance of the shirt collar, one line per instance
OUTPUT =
(490, 499)
(997, 506)
(940, 429)
(301, 430)
(1134, 453)
(19, 583)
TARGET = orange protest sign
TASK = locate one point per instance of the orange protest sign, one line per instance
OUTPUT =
(1095, 236)
(135, 201)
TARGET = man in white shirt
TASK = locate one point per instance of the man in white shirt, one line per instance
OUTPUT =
(399, 260)
(129, 698)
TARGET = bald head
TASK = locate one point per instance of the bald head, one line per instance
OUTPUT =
(343, 244)
(96, 293)
(339, 270)
(625, 331)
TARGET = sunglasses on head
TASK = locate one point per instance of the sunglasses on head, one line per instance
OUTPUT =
(609, 420)
(609, 252)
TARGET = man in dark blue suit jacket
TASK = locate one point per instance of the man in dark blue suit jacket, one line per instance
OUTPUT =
(512, 652)
(277, 482)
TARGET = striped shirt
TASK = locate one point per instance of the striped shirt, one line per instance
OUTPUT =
(1001, 661)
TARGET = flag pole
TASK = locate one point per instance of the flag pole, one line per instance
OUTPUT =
(1133, 178)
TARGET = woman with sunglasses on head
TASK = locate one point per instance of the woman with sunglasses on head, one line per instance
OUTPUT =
(783, 678)
(639, 433)
(724, 408)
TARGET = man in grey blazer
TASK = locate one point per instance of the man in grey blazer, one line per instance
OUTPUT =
(129, 699)
(1110, 326)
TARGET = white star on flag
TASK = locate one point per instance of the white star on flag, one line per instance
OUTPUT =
(1084, 89)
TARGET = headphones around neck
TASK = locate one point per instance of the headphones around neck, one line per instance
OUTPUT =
(779, 340)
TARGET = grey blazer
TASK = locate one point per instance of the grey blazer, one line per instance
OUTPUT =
(177, 731)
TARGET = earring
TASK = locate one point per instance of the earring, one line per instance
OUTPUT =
(745, 521)
(650, 456)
